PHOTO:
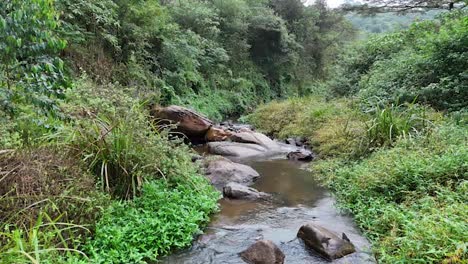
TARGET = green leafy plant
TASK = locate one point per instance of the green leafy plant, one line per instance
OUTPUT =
(164, 218)
(29, 47)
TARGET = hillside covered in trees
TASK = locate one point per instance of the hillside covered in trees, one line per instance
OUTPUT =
(88, 175)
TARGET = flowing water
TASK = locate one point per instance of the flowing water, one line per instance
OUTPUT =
(298, 199)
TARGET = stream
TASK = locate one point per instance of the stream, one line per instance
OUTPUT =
(297, 199)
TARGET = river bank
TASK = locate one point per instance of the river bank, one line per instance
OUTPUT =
(401, 171)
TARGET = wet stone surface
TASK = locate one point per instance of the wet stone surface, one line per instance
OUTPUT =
(297, 200)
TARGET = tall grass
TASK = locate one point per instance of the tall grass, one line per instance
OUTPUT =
(390, 122)
(120, 150)
(47, 240)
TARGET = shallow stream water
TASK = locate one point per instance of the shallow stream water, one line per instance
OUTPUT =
(297, 199)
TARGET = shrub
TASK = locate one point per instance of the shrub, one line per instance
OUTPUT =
(29, 47)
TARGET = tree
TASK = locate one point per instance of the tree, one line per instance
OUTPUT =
(401, 6)
(29, 49)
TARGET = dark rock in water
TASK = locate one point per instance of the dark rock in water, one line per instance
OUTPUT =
(297, 141)
(324, 242)
(263, 252)
(301, 155)
(196, 157)
(235, 149)
(290, 141)
(300, 141)
(221, 171)
(238, 191)
(187, 121)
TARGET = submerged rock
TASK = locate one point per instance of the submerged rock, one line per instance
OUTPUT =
(301, 155)
(324, 242)
(238, 191)
(263, 252)
(222, 171)
(187, 121)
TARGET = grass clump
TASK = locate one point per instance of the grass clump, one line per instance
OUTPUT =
(48, 206)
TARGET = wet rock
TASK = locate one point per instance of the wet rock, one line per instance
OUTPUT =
(217, 134)
(238, 191)
(263, 252)
(301, 155)
(221, 171)
(196, 157)
(324, 242)
(235, 149)
(254, 138)
(188, 122)
(296, 141)
(290, 141)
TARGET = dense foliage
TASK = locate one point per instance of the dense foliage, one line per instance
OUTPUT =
(426, 64)
(85, 176)
(387, 22)
(410, 200)
(395, 163)
(220, 57)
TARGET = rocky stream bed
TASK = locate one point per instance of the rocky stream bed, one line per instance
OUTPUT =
(273, 211)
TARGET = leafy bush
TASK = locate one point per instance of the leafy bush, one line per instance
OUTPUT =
(163, 218)
(411, 199)
(29, 47)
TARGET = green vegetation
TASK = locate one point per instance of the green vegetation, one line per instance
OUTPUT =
(68, 196)
(399, 166)
(86, 177)
(411, 200)
(387, 22)
(426, 64)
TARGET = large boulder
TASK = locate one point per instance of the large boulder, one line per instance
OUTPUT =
(235, 149)
(222, 171)
(324, 242)
(238, 191)
(254, 138)
(187, 121)
(263, 252)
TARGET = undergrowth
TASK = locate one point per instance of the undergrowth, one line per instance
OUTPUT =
(411, 200)
(165, 217)
(100, 186)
